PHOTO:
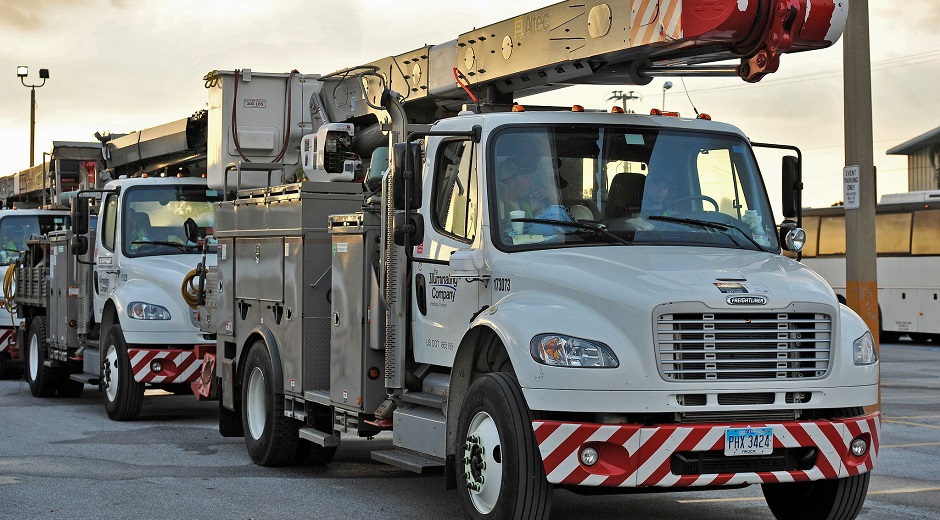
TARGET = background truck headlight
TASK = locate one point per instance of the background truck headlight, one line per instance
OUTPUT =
(147, 311)
(565, 351)
(863, 350)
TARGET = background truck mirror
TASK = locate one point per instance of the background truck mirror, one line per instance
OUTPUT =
(80, 216)
(792, 186)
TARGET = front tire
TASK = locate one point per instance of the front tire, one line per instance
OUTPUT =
(499, 468)
(270, 437)
(41, 378)
(840, 499)
(124, 396)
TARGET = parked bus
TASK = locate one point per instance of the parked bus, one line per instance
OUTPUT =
(907, 233)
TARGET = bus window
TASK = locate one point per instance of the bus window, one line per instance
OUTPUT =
(811, 226)
(926, 233)
(893, 233)
(832, 236)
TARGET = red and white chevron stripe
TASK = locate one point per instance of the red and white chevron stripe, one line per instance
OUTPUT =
(178, 366)
(637, 456)
(7, 339)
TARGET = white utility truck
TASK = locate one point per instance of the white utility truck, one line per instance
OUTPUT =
(513, 295)
(31, 198)
(101, 302)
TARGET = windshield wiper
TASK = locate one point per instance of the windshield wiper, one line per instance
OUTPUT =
(709, 224)
(181, 247)
(596, 228)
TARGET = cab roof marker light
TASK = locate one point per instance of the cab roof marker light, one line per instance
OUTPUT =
(616, 110)
(518, 108)
(704, 116)
(577, 108)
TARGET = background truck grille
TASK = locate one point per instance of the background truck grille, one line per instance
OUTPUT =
(743, 346)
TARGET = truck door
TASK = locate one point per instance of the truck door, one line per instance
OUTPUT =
(444, 305)
(107, 269)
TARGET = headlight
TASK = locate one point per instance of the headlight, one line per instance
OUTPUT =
(147, 311)
(863, 350)
(564, 351)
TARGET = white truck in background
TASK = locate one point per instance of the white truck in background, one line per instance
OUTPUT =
(101, 303)
(32, 207)
(594, 345)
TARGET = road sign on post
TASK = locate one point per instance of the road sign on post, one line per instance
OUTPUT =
(850, 187)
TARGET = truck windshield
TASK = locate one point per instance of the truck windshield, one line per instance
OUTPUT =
(15, 230)
(155, 219)
(579, 185)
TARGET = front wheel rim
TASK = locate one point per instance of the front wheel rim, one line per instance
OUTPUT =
(111, 373)
(33, 357)
(256, 403)
(483, 468)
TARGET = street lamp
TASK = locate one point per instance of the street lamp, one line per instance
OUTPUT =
(666, 86)
(21, 72)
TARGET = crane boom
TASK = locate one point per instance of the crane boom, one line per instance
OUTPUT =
(613, 43)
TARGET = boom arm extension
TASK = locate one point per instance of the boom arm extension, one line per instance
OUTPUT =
(612, 43)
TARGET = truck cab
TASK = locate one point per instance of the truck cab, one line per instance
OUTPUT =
(142, 253)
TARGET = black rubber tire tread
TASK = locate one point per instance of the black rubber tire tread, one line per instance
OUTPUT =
(840, 499)
(278, 443)
(525, 492)
(310, 454)
(888, 337)
(69, 389)
(230, 422)
(130, 396)
(46, 377)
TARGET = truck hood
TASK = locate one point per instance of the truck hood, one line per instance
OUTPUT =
(643, 276)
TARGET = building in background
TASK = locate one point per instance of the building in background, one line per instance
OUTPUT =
(923, 160)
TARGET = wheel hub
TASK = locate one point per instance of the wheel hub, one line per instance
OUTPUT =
(482, 461)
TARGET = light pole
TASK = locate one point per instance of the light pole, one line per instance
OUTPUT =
(22, 72)
(666, 86)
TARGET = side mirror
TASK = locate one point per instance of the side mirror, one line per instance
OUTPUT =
(191, 230)
(410, 225)
(407, 170)
(78, 245)
(792, 187)
(79, 216)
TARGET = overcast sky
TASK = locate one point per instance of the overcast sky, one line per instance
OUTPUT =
(122, 65)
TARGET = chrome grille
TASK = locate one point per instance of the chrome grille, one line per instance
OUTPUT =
(743, 346)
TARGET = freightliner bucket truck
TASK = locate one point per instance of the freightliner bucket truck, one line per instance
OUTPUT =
(101, 303)
(534, 298)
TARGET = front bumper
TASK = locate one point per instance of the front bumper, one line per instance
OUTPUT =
(176, 366)
(659, 456)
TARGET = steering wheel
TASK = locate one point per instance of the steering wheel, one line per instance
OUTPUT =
(705, 198)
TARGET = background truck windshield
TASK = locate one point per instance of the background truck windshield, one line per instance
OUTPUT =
(154, 218)
(15, 230)
(618, 185)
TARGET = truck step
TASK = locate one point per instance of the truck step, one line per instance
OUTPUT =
(414, 462)
(319, 438)
(425, 399)
(85, 378)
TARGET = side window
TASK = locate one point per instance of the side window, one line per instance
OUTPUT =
(109, 222)
(926, 231)
(718, 180)
(454, 199)
(832, 236)
(893, 233)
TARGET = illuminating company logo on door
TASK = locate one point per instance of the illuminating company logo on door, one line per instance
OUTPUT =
(443, 288)
(746, 300)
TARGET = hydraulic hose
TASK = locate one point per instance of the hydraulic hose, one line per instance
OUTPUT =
(9, 291)
(189, 291)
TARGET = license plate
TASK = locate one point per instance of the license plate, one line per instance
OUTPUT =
(749, 441)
